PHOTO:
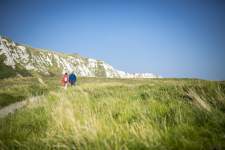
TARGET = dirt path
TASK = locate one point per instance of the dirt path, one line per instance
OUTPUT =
(11, 108)
(18, 105)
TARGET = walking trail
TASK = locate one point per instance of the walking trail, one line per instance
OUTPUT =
(11, 108)
(15, 106)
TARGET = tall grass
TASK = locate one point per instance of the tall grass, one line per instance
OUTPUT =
(122, 114)
(20, 88)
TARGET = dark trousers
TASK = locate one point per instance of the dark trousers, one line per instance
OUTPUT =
(72, 83)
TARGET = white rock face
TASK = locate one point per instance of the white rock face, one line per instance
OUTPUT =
(4, 50)
(47, 62)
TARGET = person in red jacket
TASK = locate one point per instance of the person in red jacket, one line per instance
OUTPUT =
(65, 80)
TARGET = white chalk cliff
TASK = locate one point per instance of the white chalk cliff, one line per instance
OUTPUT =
(50, 62)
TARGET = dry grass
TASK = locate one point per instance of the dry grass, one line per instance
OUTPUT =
(117, 114)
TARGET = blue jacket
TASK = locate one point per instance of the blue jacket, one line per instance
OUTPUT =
(72, 78)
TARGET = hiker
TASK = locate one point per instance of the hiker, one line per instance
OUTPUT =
(65, 80)
(72, 79)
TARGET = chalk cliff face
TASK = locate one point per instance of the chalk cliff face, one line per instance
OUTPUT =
(49, 62)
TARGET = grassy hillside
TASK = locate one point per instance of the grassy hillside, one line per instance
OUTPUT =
(121, 114)
(21, 88)
(7, 71)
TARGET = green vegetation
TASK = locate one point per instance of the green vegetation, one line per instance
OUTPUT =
(100, 70)
(8, 71)
(20, 88)
(121, 114)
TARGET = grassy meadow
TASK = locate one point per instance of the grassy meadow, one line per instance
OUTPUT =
(114, 114)
(17, 89)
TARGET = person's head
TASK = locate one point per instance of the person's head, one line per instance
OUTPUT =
(65, 73)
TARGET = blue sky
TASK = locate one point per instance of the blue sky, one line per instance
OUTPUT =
(172, 38)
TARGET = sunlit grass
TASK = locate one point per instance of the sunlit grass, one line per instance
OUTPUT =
(121, 114)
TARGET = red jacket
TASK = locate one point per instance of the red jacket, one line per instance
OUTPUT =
(65, 79)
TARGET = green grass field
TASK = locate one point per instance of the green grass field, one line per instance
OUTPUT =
(115, 114)
(21, 88)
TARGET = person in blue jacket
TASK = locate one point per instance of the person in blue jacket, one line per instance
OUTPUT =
(72, 78)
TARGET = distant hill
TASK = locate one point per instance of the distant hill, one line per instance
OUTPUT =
(21, 60)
